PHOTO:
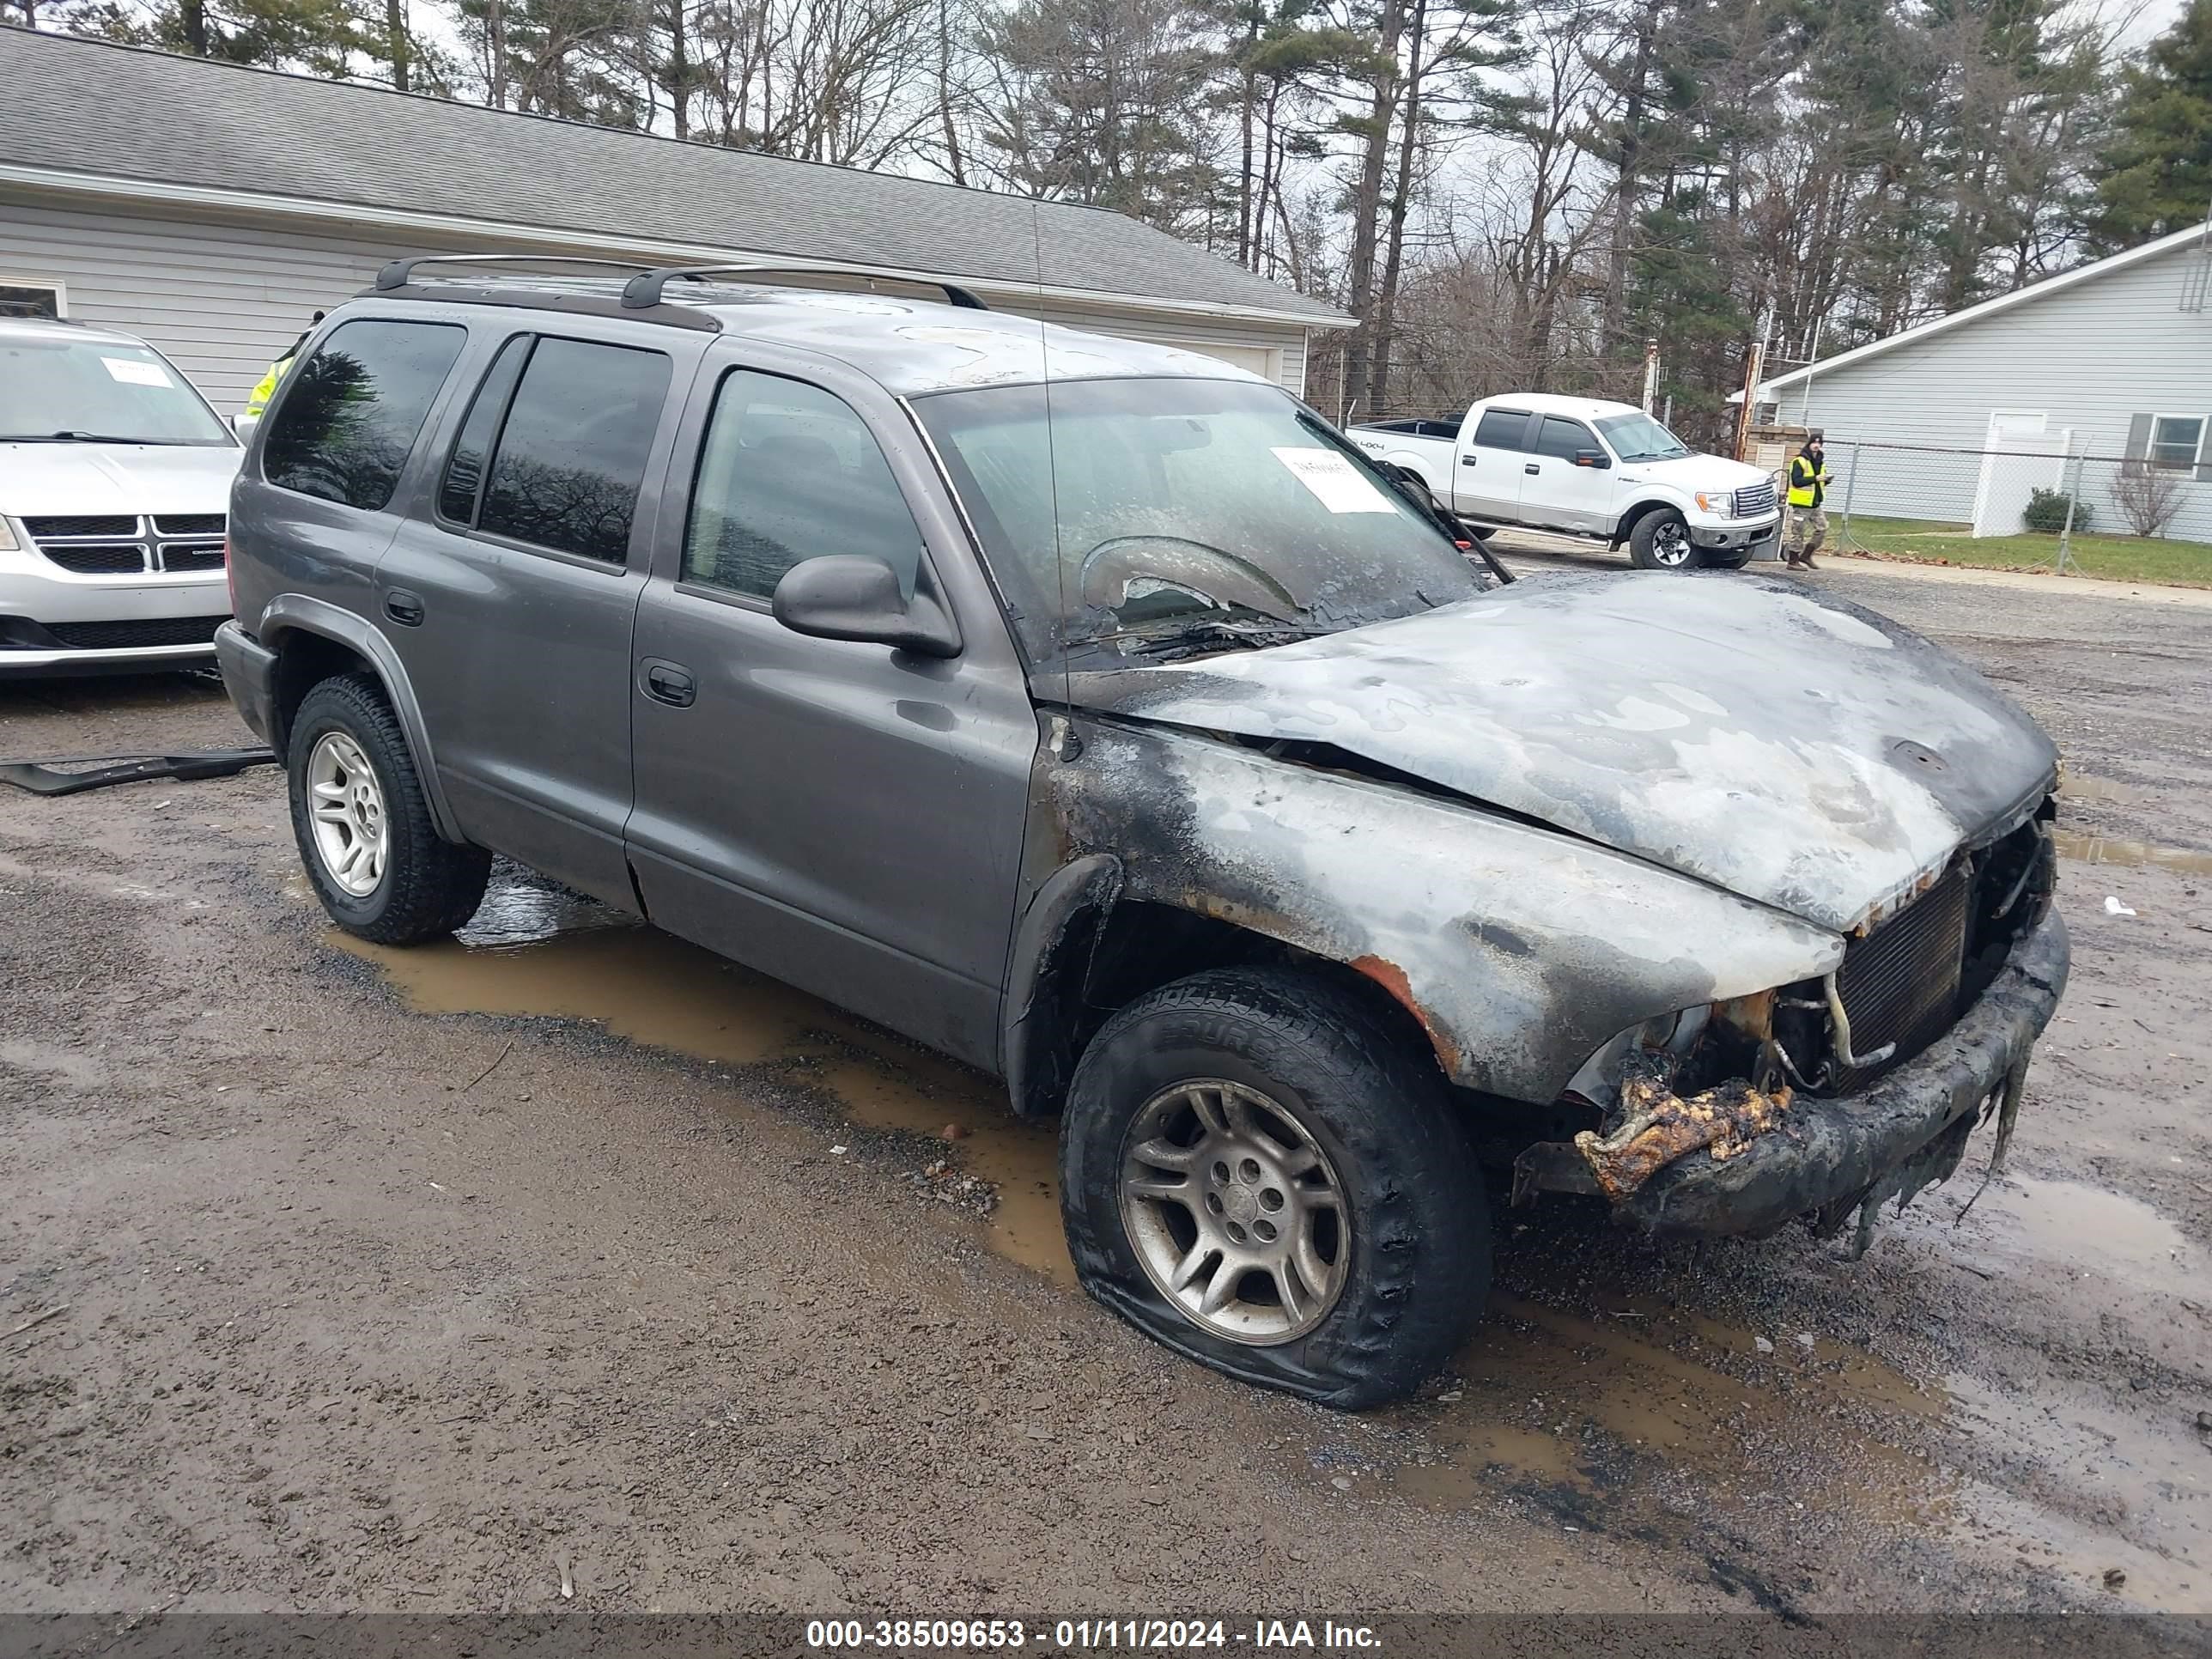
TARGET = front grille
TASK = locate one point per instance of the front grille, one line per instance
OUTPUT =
(91, 544)
(1753, 498)
(1901, 983)
(111, 524)
(137, 633)
(98, 558)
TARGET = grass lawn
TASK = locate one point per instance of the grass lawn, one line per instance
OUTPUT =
(2118, 558)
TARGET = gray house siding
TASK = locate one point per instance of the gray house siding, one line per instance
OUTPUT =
(221, 299)
(2090, 358)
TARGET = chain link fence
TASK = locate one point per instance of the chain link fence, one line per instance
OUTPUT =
(2044, 500)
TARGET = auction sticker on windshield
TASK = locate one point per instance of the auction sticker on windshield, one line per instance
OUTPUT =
(1336, 484)
(131, 372)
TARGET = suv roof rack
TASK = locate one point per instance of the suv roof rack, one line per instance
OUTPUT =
(644, 289)
(399, 272)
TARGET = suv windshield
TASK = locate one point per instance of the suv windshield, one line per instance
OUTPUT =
(62, 391)
(1640, 438)
(1120, 515)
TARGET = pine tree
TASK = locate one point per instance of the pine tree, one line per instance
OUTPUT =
(2158, 168)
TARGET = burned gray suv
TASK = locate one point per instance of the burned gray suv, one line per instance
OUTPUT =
(1095, 713)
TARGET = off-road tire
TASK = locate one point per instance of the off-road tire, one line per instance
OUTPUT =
(431, 885)
(1372, 1099)
(1642, 552)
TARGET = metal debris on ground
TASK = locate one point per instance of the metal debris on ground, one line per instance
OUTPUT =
(72, 775)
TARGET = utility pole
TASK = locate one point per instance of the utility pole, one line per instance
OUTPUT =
(2073, 495)
(1744, 419)
(1650, 374)
(1812, 357)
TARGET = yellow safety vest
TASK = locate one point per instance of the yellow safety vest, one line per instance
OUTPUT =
(256, 401)
(1807, 486)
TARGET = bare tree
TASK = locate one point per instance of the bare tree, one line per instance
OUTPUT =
(2148, 496)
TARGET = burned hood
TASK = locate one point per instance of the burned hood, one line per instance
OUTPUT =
(1793, 749)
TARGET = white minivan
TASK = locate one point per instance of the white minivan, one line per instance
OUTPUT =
(115, 476)
(1580, 466)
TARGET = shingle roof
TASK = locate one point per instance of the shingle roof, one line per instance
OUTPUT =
(90, 107)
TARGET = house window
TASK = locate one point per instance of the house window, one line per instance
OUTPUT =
(2176, 440)
(26, 296)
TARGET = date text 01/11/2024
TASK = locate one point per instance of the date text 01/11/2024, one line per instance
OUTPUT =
(1088, 1635)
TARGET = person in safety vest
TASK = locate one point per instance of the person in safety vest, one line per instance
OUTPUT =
(256, 401)
(1809, 479)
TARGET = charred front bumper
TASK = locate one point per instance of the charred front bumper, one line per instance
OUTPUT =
(1753, 1162)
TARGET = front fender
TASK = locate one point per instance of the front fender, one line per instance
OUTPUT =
(297, 613)
(1521, 950)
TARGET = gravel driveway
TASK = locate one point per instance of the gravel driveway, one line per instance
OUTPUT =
(412, 1281)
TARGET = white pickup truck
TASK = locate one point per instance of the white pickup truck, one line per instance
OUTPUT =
(1577, 466)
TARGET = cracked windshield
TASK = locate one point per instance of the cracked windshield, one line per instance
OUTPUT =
(1159, 518)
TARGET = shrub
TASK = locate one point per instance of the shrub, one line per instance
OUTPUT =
(2046, 511)
(2150, 495)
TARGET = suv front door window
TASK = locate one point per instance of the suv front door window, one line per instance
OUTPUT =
(790, 473)
(510, 601)
(846, 816)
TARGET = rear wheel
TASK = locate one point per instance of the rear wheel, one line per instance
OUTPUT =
(1256, 1171)
(1661, 541)
(1418, 491)
(363, 824)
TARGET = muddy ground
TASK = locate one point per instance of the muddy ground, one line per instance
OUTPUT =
(414, 1281)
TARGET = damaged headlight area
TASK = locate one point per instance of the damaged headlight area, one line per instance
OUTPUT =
(1718, 1078)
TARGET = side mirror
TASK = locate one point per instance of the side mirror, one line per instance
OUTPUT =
(1596, 457)
(843, 596)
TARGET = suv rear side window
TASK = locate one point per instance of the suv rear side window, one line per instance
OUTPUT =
(351, 412)
(1501, 429)
(789, 472)
(566, 470)
(463, 485)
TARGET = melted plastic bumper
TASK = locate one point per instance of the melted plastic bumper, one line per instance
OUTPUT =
(1826, 1157)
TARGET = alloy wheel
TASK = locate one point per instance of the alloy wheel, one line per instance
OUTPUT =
(346, 805)
(1235, 1212)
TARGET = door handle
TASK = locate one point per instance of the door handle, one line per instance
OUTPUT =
(404, 608)
(666, 682)
(1467, 460)
(1532, 467)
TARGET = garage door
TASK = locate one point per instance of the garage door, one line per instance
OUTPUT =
(1258, 359)
(1254, 358)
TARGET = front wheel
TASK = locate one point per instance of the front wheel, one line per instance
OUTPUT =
(1260, 1171)
(1723, 559)
(1661, 541)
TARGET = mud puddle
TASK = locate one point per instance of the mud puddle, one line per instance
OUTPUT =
(532, 951)
(2089, 1230)
(2114, 849)
(1639, 1408)
(2107, 1490)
